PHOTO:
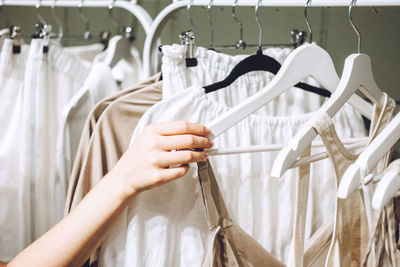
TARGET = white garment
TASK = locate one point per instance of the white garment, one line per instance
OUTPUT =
(126, 73)
(14, 192)
(98, 85)
(166, 226)
(214, 67)
(51, 79)
(85, 52)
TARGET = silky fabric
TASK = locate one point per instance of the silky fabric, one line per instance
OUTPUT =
(168, 216)
(15, 209)
(110, 139)
(350, 228)
(51, 80)
(77, 173)
(98, 85)
(230, 245)
(214, 67)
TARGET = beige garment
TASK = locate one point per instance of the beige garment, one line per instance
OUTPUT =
(109, 140)
(73, 197)
(230, 245)
(382, 250)
(348, 246)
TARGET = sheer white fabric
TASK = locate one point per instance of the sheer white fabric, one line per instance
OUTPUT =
(51, 79)
(99, 84)
(214, 67)
(14, 191)
(166, 226)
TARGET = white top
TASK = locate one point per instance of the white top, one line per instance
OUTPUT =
(166, 226)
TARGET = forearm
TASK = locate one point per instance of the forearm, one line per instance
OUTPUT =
(73, 239)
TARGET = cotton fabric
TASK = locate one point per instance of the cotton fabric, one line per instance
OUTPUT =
(170, 216)
(51, 80)
(15, 209)
(214, 67)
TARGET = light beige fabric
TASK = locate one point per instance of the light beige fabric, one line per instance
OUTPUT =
(383, 250)
(109, 136)
(349, 242)
(73, 197)
(230, 245)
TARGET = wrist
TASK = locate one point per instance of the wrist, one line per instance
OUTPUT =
(120, 186)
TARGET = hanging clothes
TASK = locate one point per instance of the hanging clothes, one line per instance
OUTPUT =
(173, 212)
(349, 234)
(15, 194)
(213, 67)
(51, 80)
(98, 85)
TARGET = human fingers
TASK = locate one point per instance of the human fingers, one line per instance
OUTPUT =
(180, 127)
(173, 173)
(180, 157)
(182, 142)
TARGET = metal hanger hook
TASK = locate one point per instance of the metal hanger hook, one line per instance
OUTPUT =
(189, 15)
(58, 20)
(307, 20)
(240, 43)
(210, 23)
(260, 33)
(355, 27)
(86, 34)
(5, 14)
(38, 15)
(111, 14)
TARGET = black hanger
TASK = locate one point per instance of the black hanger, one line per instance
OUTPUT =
(259, 61)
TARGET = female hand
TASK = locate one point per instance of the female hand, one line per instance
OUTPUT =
(147, 161)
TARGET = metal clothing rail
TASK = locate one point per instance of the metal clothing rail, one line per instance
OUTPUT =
(137, 11)
(160, 21)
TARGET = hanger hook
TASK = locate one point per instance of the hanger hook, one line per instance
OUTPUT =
(58, 20)
(111, 14)
(86, 34)
(210, 24)
(307, 20)
(355, 27)
(260, 33)
(240, 43)
(189, 15)
(38, 15)
(5, 14)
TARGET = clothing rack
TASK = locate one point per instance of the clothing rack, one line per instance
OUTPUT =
(139, 12)
(160, 21)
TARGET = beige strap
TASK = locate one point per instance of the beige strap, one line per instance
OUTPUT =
(214, 204)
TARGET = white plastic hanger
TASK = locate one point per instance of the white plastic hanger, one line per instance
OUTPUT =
(357, 74)
(368, 159)
(388, 188)
(306, 60)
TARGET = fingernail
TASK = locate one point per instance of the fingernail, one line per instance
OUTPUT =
(206, 130)
(205, 156)
(211, 144)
